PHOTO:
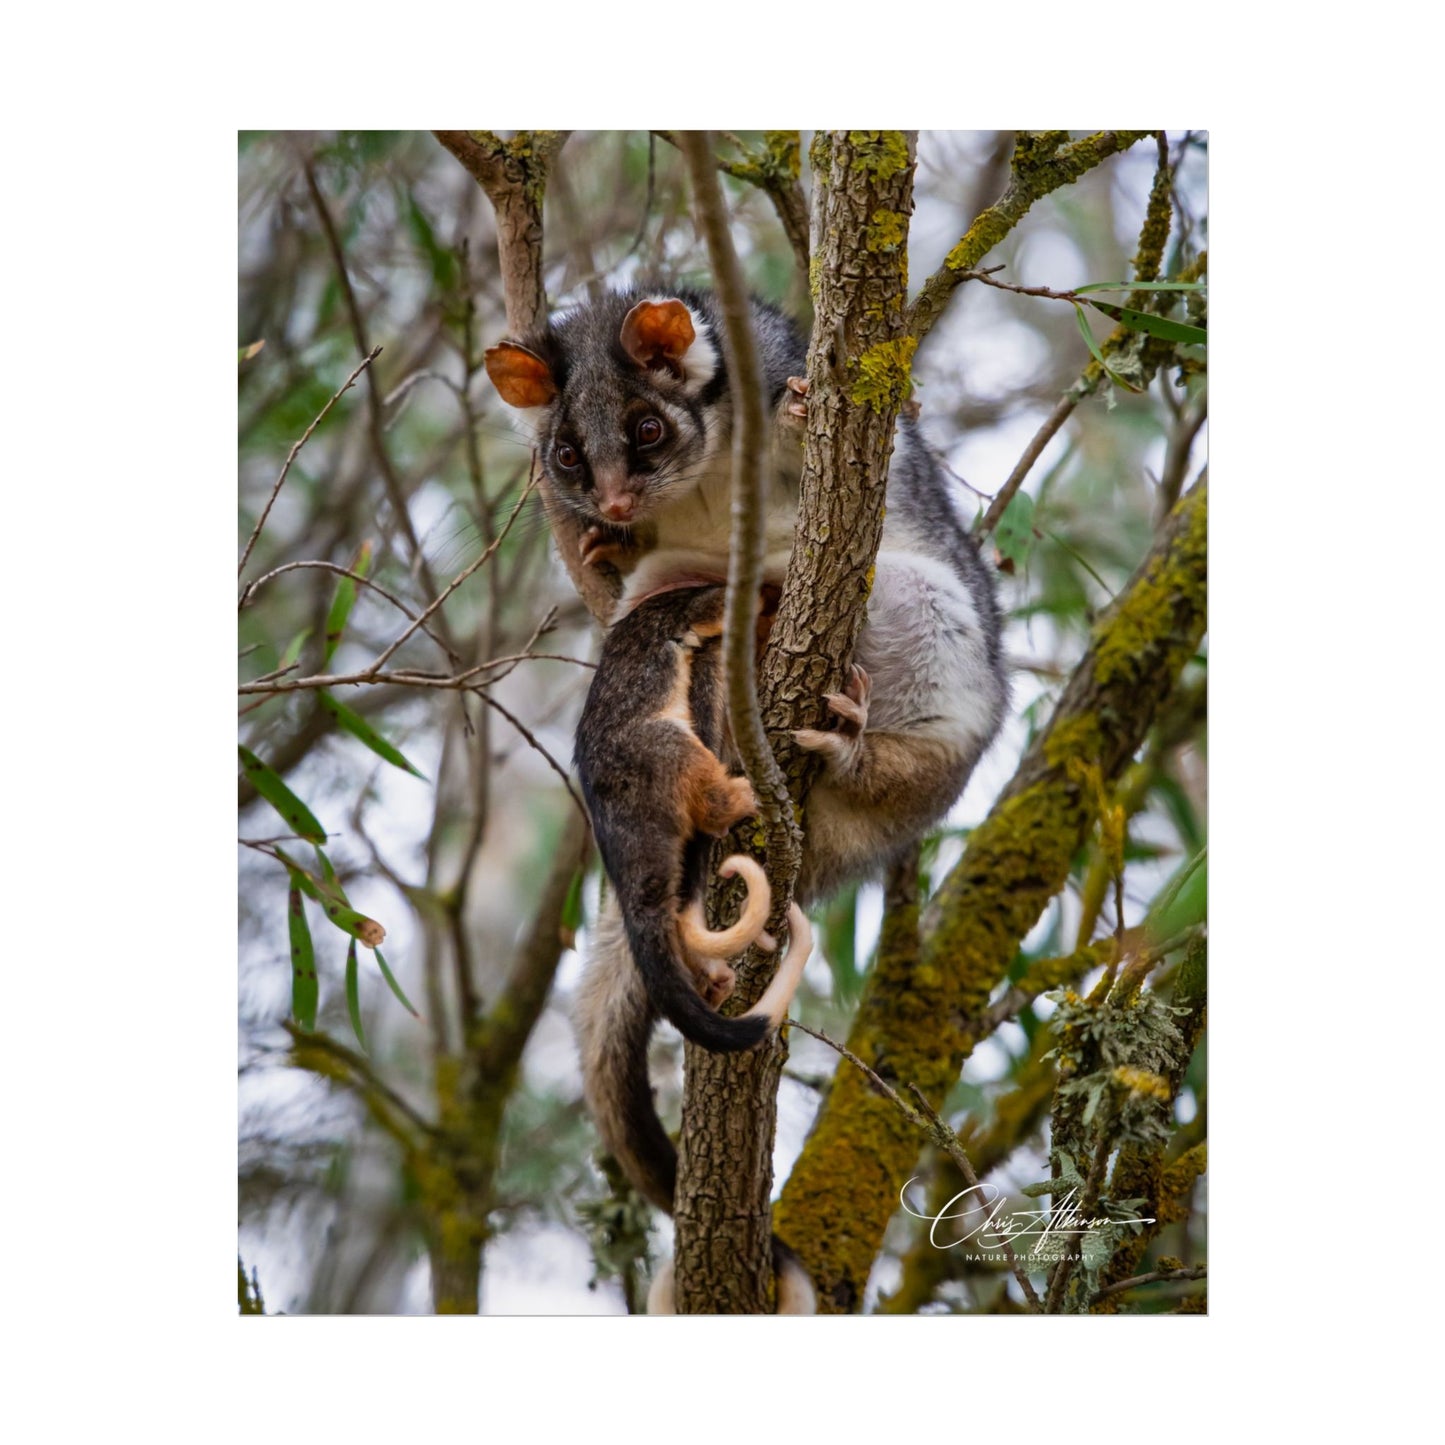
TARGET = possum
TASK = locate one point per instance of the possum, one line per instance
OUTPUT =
(627, 400)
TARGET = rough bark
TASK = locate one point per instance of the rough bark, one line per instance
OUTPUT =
(859, 375)
(918, 1024)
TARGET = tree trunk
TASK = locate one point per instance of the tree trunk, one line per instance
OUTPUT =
(859, 370)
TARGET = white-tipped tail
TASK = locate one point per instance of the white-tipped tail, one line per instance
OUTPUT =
(698, 939)
(774, 1003)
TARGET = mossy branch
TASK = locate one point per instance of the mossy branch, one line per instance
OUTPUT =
(921, 1025)
(1016, 1114)
(1042, 162)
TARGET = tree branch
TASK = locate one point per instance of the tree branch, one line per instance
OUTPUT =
(774, 170)
(1042, 162)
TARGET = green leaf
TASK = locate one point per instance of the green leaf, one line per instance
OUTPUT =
(298, 817)
(1141, 286)
(1183, 901)
(839, 937)
(293, 648)
(334, 903)
(358, 925)
(353, 994)
(342, 602)
(362, 730)
(1014, 535)
(1094, 350)
(443, 263)
(305, 991)
(394, 986)
(1160, 326)
(572, 907)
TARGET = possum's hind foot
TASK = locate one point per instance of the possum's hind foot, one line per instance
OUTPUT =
(842, 747)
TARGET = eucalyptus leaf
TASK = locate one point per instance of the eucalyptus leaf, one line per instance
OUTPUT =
(1160, 326)
(394, 986)
(297, 816)
(353, 994)
(363, 731)
(1094, 348)
(343, 599)
(305, 991)
(1141, 286)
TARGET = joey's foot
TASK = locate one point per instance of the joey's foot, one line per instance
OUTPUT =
(843, 746)
(601, 545)
(713, 978)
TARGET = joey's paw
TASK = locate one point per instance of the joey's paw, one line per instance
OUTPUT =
(601, 545)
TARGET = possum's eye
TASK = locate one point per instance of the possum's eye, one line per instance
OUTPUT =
(649, 432)
(566, 456)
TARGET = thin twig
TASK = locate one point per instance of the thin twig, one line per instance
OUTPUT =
(1024, 465)
(458, 579)
(552, 762)
(291, 457)
(749, 517)
(252, 588)
(375, 418)
(1158, 1276)
(786, 195)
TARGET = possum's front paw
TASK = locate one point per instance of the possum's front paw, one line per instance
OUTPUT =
(843, 746)
(793, 409)
(599, 545)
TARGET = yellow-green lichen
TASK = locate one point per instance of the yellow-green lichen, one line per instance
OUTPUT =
(881, 153)
(1075, 737)
(784, 151)
(1129, 637)
(885, 375)
(886, 231)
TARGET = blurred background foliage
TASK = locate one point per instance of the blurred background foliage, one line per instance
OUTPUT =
(355, 240)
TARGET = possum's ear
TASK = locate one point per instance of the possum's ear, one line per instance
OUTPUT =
(522, 378)
(658, 334)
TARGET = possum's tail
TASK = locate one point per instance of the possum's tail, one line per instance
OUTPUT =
(614, 1022)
